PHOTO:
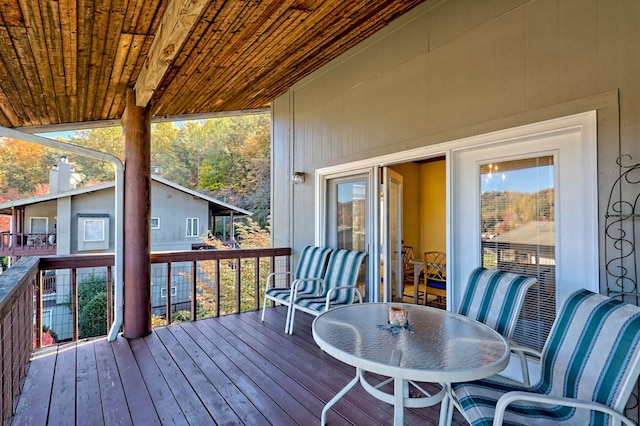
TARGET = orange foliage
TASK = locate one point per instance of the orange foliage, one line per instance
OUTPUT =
(41, 189)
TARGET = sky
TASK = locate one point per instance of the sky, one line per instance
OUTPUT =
(523, 180)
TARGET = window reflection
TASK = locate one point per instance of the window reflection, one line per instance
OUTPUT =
(351, 215)
(518, 235)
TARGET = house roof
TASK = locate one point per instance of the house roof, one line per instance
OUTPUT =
(220, 208)
(70, 62)
(541, 233)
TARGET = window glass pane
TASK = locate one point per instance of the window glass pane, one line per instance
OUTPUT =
(93, 230)
(192, 227)
(351, 216)
(38, 224)
(518, 235)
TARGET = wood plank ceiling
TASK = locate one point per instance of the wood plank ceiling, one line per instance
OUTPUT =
(65, 62)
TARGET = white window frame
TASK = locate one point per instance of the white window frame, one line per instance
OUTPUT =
(586, 120)
(163, 291)
(191, 221)
(572, 141)
(157, 221)
(47, 317)
(46, 223)
(97, 223)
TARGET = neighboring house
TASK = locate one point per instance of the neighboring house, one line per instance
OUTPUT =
(81, 221)
(459, 88)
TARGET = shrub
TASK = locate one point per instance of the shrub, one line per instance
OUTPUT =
(92, 320)
(181, 316)
(89, 287)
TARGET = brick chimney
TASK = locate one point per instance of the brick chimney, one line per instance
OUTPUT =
(60, 176)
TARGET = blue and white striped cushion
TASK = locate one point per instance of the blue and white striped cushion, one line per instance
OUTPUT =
(495, 298)
(343, 270)
(593, 343)
(312, 264)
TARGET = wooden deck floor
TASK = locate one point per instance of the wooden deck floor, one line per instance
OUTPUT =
(229, 370)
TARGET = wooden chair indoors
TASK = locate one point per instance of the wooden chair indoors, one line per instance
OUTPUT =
(408, 274)
(435, 278)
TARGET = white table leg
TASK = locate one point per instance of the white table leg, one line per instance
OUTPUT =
(446, 407)
(352, 383)
(400, 392)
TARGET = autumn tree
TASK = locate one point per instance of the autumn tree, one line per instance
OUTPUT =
(109, 140)
(227, 158)
(250, 235)
(23, 165)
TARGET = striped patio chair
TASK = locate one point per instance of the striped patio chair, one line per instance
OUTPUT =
(311, 267)
(495, 298)
(338, 286)
(589, 365)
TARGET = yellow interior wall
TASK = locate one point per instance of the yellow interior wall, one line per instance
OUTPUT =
(433, 206)
(410, 204)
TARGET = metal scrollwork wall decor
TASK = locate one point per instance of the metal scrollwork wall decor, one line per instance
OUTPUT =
(621, 231)
(621, 228)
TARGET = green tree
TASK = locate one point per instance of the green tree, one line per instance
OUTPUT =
(92, 306)
(238, 171)
(109, 140)
(92, 320)
(251, 235)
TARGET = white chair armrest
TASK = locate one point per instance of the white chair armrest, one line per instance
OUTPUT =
(510, 397)
(272, 275)
(296, 283)
(521, 352)
(331, 290)
(524, 349)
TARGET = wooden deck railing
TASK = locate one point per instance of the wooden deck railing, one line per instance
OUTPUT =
(27, 243)
(185, 285)
(189, 285)
(16, 329)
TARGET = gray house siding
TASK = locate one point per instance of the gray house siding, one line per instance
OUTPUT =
(169, 205)
(453, 69)
(172, 208)
(92, 204)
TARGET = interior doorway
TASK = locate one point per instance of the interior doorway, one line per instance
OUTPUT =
(424, 232)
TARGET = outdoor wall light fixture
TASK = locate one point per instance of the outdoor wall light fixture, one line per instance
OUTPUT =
(297, 177)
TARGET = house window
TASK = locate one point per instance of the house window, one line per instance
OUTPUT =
(94, 230)
(518, 217)
(47, 317)
(347, 213)
(163, 292)
(155, 223)
(39, 224)
(193, 223)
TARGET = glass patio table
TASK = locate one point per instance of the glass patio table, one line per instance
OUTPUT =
(438, 346)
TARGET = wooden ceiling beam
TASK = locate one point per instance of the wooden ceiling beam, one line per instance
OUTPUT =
(177, 22)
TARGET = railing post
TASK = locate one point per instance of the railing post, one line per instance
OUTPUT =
(256, 289)
(194, 293)
(74, 302)
(109, 297)
(217, 275)
(38, 307)
(169, 313)
(238, 285)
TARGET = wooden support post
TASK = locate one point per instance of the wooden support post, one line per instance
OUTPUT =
(137, 215)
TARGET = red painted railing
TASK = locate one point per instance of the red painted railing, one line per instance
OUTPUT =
(16, 329)
(27, 244)
(185, 285)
